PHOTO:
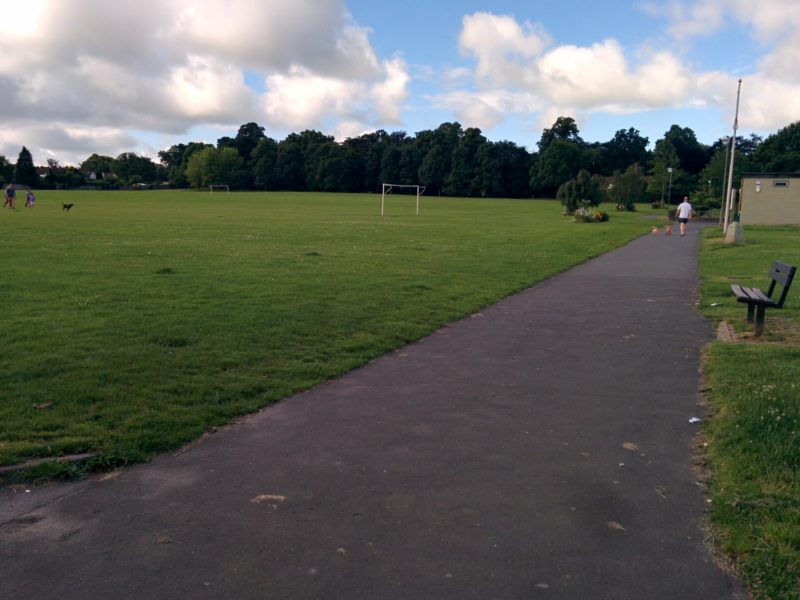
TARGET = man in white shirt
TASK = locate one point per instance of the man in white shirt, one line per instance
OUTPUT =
(684, 213)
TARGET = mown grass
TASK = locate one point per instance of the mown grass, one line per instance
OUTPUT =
(754, 434)
(139, 320)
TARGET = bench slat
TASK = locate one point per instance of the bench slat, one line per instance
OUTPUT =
(752, 295)
(782, 273)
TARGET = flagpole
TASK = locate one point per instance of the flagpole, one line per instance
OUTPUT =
(729, 203)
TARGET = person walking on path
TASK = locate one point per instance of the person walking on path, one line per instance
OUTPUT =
(683, 213)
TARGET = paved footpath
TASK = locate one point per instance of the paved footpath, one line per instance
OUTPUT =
(538, 449)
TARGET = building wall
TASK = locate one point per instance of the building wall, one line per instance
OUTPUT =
(770, 200)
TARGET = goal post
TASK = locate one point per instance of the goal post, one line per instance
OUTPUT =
(387, 189)
(219, 186)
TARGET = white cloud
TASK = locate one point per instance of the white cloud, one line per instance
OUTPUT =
(59, 140)
(389, 94)
(768, 104)
(600, 78)
(275, 34)
(501, 46)
(302, 99)
(768, 20)
(771, 95)
(519, 61)
(164, 66)
(486, 108)
(208, 89)
(349, 129)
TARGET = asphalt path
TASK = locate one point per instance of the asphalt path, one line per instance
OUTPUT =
(541, 448)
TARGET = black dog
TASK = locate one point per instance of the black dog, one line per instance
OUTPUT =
(66, 206)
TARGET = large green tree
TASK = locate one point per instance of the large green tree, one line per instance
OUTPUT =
(434, 168)
(246, 140)
(131, 168)
(712, 180)
(60, 177)
(626, 148)
(502, 170)
(780, 152)
(97, 164)
(198, 167)
(627, 188)
(564, 128)
(290, 171)
(663, 184)
(176, 157)
(369, 149)
(461, 181)
(390, 165)
(561, 155)
(6, 170)
(692, 155)
(24, 171)
(265, 155)
(336, 169)
(215, 166)
(559, 163)
(437, 147)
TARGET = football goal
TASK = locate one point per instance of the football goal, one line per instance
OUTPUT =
(388, 187)
(219, 188)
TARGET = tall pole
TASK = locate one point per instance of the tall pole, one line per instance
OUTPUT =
(669, 193)
(733, 157)
(727, 141)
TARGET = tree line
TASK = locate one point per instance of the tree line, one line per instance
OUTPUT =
(448, 160)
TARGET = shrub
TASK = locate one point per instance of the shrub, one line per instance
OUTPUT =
(590, 214)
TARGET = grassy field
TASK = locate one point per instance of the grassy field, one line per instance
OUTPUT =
(139, 320)
(754, 435)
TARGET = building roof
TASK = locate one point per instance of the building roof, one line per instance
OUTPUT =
(794, 175)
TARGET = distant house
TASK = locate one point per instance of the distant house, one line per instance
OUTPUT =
(770, 199)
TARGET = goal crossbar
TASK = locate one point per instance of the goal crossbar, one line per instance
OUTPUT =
(387, 189)
(219, 186)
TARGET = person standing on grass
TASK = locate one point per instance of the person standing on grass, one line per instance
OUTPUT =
(11, 195)
(29, 199)
(684, 213)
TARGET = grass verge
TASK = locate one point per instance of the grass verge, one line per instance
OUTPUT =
(139, 320)
(754, 433)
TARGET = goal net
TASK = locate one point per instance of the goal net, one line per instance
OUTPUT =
(219, 188)
(388, 187)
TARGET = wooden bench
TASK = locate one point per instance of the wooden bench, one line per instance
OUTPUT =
(758, 301)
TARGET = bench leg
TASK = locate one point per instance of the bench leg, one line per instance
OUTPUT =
(750, 308)
(760, 320)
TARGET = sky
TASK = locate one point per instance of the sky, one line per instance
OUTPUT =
(85, 76)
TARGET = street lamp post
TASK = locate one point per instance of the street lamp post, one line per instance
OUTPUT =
(727, 141)
(669, 193)
(729, 205)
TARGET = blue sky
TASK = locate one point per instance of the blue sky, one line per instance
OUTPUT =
(93, 76)
(430, 37)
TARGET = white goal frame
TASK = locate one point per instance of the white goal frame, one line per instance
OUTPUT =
(387, 189)
(222, 186)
